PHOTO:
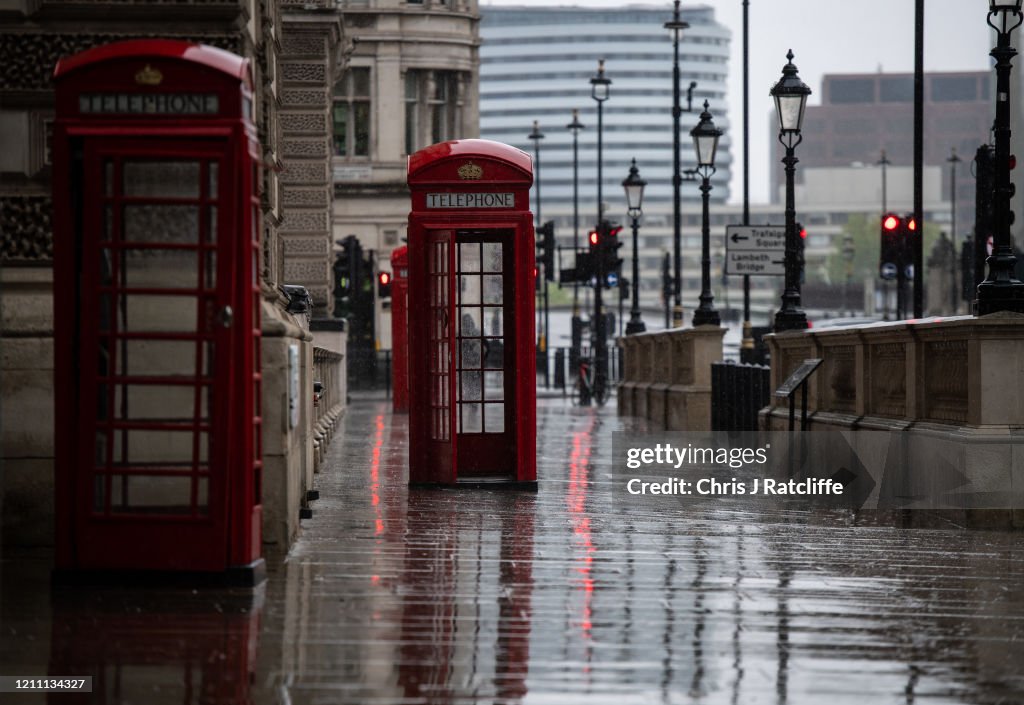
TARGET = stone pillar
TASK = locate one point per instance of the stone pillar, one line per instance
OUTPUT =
(311, 32)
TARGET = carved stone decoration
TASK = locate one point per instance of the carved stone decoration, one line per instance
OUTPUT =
(28, 58)
(303, 72)
(305, 246)
(304, 221)
(25, 230)
(946, 381)
(888, 380)
(840, 375)
(315, 123)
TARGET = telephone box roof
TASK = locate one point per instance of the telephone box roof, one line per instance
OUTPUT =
(217, 59)
(464, 149)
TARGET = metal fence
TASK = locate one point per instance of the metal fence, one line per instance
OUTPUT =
(738, 393)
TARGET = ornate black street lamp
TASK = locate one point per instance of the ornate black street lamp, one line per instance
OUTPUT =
(634, 188)
(790, 94)
(676, 26)
(542, 338)
(953, 293)
(599, 90)
(705, 141)
(1001, 291)
(577, 327)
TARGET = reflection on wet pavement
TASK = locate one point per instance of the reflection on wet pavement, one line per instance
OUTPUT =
(394, 595)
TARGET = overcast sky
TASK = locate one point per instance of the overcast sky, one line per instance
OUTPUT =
(827, 36)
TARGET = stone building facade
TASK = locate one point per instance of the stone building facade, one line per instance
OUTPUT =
(413, 80)
(297, 52)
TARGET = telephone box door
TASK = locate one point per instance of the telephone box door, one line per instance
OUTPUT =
(486, 371)
(441, 336)
(155, 351)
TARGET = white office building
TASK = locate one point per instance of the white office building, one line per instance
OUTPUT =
(536, 64)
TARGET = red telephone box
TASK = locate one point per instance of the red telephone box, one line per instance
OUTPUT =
(472, 385)
(399, 328)
(156, 302)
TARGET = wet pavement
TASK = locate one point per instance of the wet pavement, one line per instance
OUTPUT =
(565, 596)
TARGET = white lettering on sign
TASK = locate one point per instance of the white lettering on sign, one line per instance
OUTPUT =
(471, 200)
(150, 103)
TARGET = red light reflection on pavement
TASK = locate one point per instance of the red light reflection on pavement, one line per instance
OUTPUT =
(576, 500)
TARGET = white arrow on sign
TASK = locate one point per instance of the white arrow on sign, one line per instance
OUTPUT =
(761, 238)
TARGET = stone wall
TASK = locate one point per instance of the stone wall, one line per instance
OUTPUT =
(668, 377)
(951, 386)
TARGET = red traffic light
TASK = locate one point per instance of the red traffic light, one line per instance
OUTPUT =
(594, 237)
(384, 278)
(890, 223)
(803, 233)
(911, 224)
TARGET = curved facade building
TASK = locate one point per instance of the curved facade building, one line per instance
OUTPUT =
(536, 64)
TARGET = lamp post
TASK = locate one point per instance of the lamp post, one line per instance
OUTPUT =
(790, 94)
(599, 90)
(577, 328)
(542, 346)
(884, 163)
(676, 26)
(953, 297)
(1001, 291)
(705, 141)
(634, 188)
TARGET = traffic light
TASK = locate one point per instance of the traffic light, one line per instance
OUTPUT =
(384, 285)
(594, 238)
(610, 244)
(624, 285)
(546, 245)
(347, 269)
(890, 255)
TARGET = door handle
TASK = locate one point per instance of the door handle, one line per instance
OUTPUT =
(226, 317)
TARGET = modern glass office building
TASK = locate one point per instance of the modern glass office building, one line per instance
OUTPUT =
(536, 64)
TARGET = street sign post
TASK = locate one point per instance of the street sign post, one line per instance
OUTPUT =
(755, 250)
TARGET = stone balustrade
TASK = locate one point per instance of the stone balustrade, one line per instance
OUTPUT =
(961, 371)
(950, 388)
(668, 377)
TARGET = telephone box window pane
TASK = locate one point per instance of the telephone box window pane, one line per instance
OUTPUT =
(470, 384)
(157, 313)
(494, 386)
(211, 224)
(493, 257)
(210, 270)
(472, 417)
(157, 358)
(157, 223)
(161, 178)
(469, 257)
(494, 418)
(151, 494)
(103, 312)
(469, 322)
(212, 176)
(470, 288)
(470, 354)
(160, 269)
(495, 357)
(106, 267)
(108, 224)
(138, 446)
(494, 321)
(145, 402)
(493, 289)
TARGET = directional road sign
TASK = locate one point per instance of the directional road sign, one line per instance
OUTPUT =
(755, 250)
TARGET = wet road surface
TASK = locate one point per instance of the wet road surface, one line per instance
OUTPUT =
(394, 595)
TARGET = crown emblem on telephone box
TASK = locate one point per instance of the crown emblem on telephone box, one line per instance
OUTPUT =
(469, 170)
(149, 76)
